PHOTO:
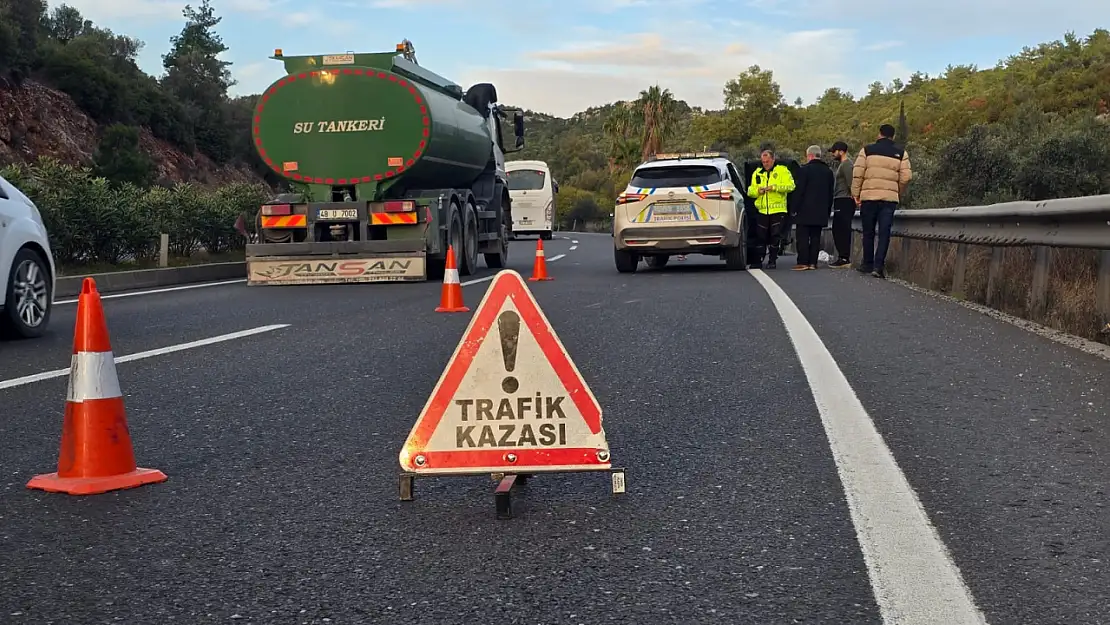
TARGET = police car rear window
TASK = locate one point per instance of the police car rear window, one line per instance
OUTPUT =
(675, 176)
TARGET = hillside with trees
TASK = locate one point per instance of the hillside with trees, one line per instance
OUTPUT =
(1035, 126)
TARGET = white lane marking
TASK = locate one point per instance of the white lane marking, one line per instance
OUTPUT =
(58, 373)
(574, 242)
(479, 280)
(573, 247)
(156, 291)
(488, 278)
(912, 574)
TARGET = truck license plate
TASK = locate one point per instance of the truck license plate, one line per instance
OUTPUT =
(337, 213)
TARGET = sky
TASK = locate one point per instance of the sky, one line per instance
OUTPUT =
(563, 56)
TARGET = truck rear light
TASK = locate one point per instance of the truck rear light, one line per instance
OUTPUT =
(400, 206)
(277, 209)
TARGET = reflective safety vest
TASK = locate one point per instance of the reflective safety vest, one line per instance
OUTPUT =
(781, 182)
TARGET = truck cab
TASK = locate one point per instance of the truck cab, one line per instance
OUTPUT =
(533, 191)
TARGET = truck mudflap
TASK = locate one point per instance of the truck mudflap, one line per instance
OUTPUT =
(323, 266)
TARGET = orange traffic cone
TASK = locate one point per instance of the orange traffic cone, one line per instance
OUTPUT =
(451, 299)
(96, 454)
(539, 267)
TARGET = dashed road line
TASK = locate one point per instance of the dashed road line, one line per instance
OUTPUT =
(156, 291)
(488, 278)
(58, 373)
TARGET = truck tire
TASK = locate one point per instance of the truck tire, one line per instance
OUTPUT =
(480, 96)
(454, 234)
(500, 258)
(468, 256)
(658, 262)
(546, 236)
(12, 325)
(626, 261)
(437, 266)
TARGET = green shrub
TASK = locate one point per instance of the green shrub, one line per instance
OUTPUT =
(93, 221)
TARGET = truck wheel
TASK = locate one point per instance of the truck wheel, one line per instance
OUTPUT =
(626, 261)
(468, 261)
(546, 236)
(454, 236)
(27, 305)
(658, 262)
(500, 258)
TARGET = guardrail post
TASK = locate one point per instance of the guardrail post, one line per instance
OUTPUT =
(933, 263)
(1102, 291)
(994, 273)
(905, 250)
(1038, 290)
(164, 251)
(959, 270)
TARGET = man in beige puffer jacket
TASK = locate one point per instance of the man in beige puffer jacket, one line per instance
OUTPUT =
(879, 179)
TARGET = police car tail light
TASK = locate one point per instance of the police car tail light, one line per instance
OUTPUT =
(628, 198)
(715, 194)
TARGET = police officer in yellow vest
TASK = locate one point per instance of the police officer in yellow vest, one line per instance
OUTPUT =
(769, 186)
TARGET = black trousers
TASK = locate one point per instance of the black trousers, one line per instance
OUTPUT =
(876, 216)
(844, 209)
(809, 244)
(768, 235)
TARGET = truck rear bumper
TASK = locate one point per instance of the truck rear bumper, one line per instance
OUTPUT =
(336, 262)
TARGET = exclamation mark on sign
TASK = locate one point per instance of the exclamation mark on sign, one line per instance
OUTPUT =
(508, 326)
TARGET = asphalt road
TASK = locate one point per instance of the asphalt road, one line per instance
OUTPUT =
(758, 491)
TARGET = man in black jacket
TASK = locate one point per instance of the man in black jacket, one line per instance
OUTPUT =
(815, 201)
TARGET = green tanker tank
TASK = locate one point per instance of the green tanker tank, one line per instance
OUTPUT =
(389, 164)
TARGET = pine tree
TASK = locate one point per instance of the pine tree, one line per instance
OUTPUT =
(196, 75)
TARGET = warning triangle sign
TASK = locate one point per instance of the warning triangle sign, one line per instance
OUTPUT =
(510, 400)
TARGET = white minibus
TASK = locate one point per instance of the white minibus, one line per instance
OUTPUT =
(533, 191)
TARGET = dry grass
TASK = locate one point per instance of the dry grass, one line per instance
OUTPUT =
(1070, 304)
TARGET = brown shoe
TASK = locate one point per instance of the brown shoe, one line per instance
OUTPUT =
(800, 267)
(811, 267)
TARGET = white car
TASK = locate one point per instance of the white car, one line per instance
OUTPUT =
(27, 273)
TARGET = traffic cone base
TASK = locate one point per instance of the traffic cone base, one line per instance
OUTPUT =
(451, 296)
(96, 454)
(539, 266)
(52, 483)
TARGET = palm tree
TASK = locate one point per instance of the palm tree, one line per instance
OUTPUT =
(659, 114)
(622, 129)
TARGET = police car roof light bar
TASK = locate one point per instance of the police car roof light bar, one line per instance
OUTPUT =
(671, 156)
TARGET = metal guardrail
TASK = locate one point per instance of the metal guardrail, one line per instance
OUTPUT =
(1080, 222)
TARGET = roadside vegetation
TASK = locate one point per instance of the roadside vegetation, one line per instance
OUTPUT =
(1036, 126)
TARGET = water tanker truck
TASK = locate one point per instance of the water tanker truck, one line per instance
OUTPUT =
(391, 164)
